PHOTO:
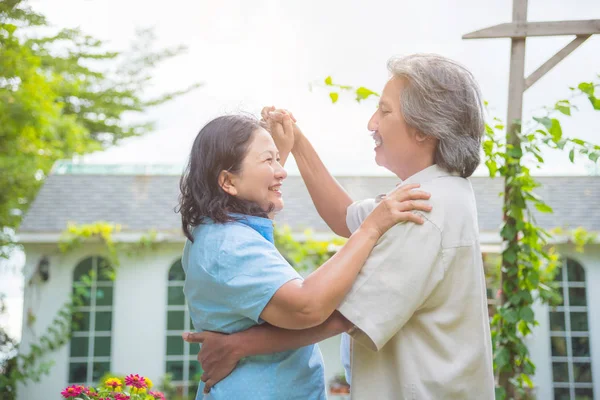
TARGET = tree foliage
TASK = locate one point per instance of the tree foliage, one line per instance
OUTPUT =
(62, 93)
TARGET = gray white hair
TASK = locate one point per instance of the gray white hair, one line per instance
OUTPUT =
(442, 99)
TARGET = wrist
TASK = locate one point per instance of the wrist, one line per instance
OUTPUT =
(235, 346)
(370, 231)
(299, 142)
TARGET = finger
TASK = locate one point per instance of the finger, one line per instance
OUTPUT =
(415, 205)
(286, 112)
(276, 116)
(208, 385)
(418, 195)
(274, 127)
(411, 217)
(265, 112)
(288, 125)
(409, 187)
(193, 337)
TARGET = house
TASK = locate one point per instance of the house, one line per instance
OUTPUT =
(133, 324)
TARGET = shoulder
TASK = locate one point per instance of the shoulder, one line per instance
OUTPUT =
(224, 234)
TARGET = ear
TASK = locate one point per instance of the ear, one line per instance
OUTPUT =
(227, 183)
(420, 137)
(425, 140)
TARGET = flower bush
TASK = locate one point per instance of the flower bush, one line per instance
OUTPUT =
(134, 387)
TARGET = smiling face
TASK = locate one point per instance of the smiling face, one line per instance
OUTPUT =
(398, 147)
(260, 177)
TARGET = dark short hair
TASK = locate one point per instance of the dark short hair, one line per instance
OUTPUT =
(222, 144)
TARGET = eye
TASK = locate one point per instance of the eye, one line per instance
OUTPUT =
(278, 159)
(269, 160)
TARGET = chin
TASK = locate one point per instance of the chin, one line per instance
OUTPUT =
(379, 160)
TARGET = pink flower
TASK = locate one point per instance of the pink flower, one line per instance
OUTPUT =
(135, 381)
(157, 395)
(88, 392)
(72, 391)
(121, 396)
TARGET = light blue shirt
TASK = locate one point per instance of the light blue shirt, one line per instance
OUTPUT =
(232, 272)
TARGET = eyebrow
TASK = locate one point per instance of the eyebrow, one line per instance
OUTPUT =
(269, 152)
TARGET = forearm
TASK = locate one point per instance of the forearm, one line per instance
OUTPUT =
(266, 339)
(283, 156)
(330, 199)
(326, 287)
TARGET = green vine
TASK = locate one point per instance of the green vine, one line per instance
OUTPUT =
(528, 262)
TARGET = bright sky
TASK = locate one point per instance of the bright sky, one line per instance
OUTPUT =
(251, 53)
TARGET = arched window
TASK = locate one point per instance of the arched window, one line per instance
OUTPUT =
(181, 359)
(90, 347)
(570, 336)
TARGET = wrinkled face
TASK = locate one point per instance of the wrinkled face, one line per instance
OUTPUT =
(261, 176)
(396, 143)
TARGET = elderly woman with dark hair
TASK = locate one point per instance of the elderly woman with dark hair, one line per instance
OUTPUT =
(236, 278)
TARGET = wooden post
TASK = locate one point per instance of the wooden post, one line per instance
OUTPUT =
(516, 87)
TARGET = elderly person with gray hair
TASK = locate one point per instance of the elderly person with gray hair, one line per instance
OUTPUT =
(417, 312)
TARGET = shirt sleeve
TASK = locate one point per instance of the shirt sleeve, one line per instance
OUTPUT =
(251, 270)
(399, 275)
(357, 212)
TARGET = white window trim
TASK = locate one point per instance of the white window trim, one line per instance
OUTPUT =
(91, 333)
(565, 284)
(186, 358)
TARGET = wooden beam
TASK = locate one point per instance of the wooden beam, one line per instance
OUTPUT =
(551, 63)
(522, 29)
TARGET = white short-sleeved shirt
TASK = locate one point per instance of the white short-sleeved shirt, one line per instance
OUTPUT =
(419, 304)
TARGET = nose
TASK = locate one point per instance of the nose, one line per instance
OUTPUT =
(373, 124)
(280, 172)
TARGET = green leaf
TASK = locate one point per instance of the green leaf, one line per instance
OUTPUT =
(502, 357)
(594, 156)
(555, 130)
(511, 316)
(363, 93)
(547, 122)
(492, 167)
(509, 255)
(328, 81)
(587, 88)
(508, 232)
(544, 208)
(500, 393)
(527, 380)
(488, 147)
(526, 314)
(572, 155)
(563, 106)
(515, 152)
(595, 102)
(334, 97)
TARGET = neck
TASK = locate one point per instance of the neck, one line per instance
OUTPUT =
(405, 171)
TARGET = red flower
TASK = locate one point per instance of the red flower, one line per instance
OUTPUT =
(121, 396)
(157, 395)
(72, 391)
(135, 381)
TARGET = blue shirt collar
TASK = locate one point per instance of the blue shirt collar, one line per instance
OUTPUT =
(264, 226)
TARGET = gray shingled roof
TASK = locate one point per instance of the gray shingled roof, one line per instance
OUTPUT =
(142, 202)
